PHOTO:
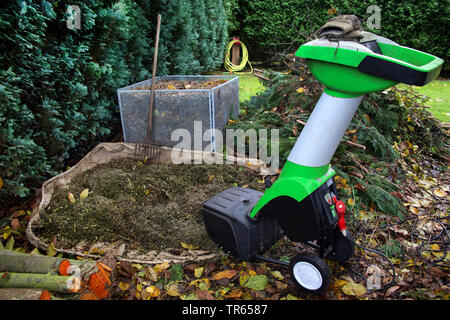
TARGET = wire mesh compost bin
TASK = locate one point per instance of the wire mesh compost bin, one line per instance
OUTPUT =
(186, 107)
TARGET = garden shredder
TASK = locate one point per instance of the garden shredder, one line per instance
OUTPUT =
(303, 203)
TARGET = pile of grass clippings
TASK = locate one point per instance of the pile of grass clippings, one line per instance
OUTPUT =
(152, 207)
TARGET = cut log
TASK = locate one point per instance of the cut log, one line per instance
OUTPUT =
(11, 261)
(50, 282)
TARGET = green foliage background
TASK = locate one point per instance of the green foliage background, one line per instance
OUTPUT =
(58, 86)
(269, 27)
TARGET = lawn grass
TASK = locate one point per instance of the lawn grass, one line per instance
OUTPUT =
(249, 85)
(439, 93)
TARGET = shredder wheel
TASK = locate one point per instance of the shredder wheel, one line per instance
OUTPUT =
(310, 273)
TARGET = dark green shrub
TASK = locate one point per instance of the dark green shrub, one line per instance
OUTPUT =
(269, 27)
(58, 85)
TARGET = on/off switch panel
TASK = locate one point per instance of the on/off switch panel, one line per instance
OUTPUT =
(329, 197)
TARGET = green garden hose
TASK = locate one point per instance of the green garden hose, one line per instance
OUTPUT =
(236, 68)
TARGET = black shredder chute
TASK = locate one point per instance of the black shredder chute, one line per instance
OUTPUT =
(227, 222)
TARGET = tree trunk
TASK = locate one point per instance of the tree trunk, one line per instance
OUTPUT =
(12, 261)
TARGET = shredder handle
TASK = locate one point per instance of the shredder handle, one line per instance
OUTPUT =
(390, 68)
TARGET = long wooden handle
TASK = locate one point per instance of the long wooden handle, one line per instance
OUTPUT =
(152, 92)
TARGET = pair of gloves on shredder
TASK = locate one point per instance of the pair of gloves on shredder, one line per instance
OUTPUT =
(347, 28)
(344, 27)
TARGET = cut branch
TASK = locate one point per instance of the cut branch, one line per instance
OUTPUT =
(11, 261)
(262, 77)
(354, 144)
(35, 281)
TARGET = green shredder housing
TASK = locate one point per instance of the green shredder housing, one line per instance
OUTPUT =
(352, 69)
(302, 202)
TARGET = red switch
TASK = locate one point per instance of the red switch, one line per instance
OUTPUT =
(340, 208)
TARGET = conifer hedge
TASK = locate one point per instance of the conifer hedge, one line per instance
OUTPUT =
(58, 85)
(268, 27)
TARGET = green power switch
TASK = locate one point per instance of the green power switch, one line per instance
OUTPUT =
(333, 211)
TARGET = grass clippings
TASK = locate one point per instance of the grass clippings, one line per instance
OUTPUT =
(152, 207)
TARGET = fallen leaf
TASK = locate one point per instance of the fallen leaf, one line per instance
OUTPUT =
(439, 193)
(281, 285)
(210, 267)
(300, 90)
(277, 274)
(367, 117)
(188, 246)
(354, 289)
(151, 274)
(51, 251)
(124, 286)
(153, 291)
(71, 197)
(202, 284)
(137, 266)
(172, 290)
(204, 295)
(243, 276)
(236, 293)
(84, 194)
(162, 266)
(437, 272)
(331, 11)
(414, 210)
(226, 274)
(190, 296)
(339, 283)
(15, 224)
(258, 282)
(435, 246)
(391, 290)
(18, 213)
(198, 272)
